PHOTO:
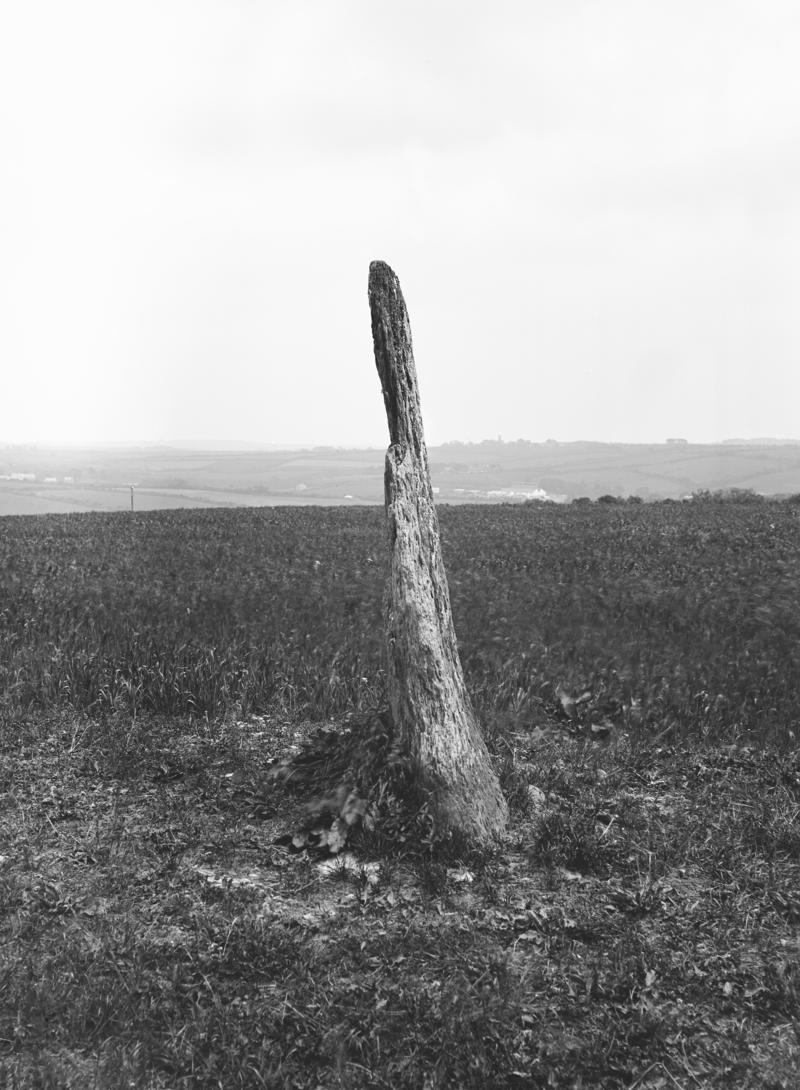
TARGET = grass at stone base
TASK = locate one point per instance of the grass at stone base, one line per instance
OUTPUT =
(641, 930)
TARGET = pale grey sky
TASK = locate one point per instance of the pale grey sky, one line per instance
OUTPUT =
(593, 209)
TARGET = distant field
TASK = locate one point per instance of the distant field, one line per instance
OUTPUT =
(16, 501)
(490, 472)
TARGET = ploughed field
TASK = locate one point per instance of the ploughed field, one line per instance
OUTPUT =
(635, 668)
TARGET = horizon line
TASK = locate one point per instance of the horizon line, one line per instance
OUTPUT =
(254, 445)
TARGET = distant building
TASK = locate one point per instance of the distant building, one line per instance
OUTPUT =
(23, 476)
(51, 480)
(677, 440)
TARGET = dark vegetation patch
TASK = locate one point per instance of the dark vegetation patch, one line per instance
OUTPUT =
(641, 926)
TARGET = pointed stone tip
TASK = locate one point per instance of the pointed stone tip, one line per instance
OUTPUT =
(379, 272)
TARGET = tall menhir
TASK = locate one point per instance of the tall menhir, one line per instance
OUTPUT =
(430, 705)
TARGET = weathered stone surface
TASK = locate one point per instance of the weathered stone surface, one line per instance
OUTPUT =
(427, 694)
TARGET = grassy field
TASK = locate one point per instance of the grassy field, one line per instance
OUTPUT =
(636, 673)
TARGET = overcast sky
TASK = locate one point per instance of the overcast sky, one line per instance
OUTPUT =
(593, 209)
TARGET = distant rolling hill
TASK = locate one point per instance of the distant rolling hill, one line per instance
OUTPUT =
(165, 476)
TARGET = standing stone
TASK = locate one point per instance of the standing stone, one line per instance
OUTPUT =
(427, 695)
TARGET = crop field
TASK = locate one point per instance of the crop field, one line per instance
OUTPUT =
(636, 671)
(683, 618)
